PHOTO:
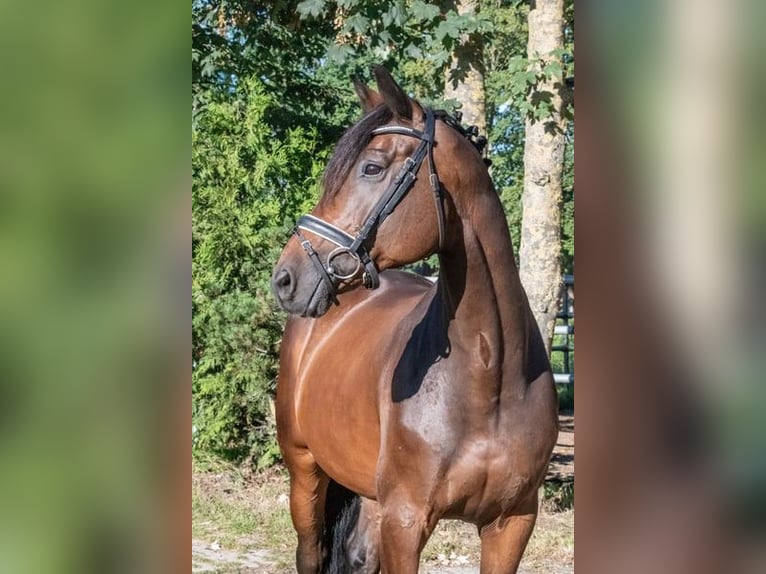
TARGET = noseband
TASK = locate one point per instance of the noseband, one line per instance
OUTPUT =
(354, 245)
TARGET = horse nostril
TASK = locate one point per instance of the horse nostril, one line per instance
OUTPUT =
(284, 279)
(283, 282)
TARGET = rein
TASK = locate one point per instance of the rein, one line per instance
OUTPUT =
(354, 245)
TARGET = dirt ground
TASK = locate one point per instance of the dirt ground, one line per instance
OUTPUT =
(241, 523)
(561, 467)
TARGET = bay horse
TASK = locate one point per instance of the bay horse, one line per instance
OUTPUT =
(409, 401)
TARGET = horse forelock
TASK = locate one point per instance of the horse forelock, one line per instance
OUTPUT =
(350, 145)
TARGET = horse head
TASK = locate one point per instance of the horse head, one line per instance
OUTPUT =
(383, 203)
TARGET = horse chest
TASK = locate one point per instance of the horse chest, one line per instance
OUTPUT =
(480, 461)
(487, 479)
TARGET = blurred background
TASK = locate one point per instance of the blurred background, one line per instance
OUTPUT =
(94, 282)
(670, 365)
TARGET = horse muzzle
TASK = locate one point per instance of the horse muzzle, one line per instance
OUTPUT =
(301, 291)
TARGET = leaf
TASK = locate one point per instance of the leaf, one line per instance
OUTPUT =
(338, 53)
(358, 24)
(413, 51)
(453, 28)
(397, 14)
(423, 11)
(484, 25)
(517, 63)
(544, 109)
(440, 57)
(552, 70)
(442, 30)
(311, 8)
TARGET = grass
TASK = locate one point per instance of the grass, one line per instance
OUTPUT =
(244, 512)
(452, 543)
(558, 496)
(551, 544)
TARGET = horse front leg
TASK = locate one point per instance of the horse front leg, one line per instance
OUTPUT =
(308, 490)
(503, 541)
(405, 528)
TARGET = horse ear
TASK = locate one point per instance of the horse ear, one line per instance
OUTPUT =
(394, 97)
(369, 98)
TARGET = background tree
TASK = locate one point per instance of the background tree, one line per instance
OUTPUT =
(261, 129)
(464, 80)
(545, 129)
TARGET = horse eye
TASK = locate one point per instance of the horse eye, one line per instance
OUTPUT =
(372, 169)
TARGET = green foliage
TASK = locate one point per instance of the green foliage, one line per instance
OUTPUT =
(524, 76)
(395, 32)
(509, 80)
(249, 185)
(565, 394)
(262, 128)
(558, 496)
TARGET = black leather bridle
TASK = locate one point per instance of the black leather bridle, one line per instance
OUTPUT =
(355, 245)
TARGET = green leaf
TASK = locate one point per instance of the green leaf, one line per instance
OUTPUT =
(544, 110)
(423, 11)
(413, 51)
(440, 57)
(311, 8)
(517, 63)
(552, 70)
(338, 53)
(442, 30)
(453, 28)
(357, 23)
(397, 14)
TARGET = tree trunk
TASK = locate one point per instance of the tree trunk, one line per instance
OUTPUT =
(540, 249)
(464, 80)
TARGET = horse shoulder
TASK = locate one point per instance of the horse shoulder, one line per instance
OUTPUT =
(337, 369)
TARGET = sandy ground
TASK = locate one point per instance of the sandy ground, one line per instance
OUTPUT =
(209, 560)
(210, 557)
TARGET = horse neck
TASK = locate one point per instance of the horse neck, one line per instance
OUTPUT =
(484, 298)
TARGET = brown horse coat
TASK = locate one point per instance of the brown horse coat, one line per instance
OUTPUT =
(432, 399)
